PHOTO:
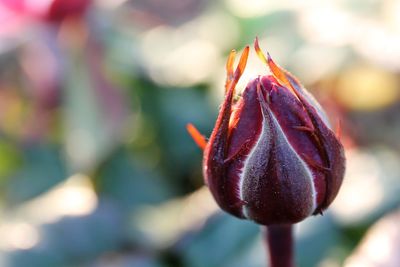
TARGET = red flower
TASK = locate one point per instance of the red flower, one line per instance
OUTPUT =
(272, 156)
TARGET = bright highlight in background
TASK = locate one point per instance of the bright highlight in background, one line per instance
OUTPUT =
(74, 197)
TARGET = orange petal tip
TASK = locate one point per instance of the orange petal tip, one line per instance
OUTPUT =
(196, 135)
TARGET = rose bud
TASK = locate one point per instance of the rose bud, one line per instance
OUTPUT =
(272, 156)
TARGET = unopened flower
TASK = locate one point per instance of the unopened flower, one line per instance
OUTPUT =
(272, 156)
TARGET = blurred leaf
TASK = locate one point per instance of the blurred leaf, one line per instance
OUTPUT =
(280, 23)
(73, 240)
(254, 255)
(380, 246)
(42, 167)
(168, 111)
(177, 108)
(127, 260)
(222, 238)
(94, 109)
(372, 171)
(130, 183)
(316, 237)
(10, 159)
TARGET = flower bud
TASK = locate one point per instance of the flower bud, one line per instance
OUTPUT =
(272, 156)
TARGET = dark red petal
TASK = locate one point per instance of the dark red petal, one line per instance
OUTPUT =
(330, 147)
(242, 137)
(290, 114)
(334, 156)
(277, 185)
(216, 151)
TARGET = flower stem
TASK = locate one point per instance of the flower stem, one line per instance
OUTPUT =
(279, 240)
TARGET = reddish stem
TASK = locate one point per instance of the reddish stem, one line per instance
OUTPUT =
(279, 240)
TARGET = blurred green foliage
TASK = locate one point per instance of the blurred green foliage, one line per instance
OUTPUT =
(96, 167)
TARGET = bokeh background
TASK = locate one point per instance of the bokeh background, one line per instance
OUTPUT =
(96, 167)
